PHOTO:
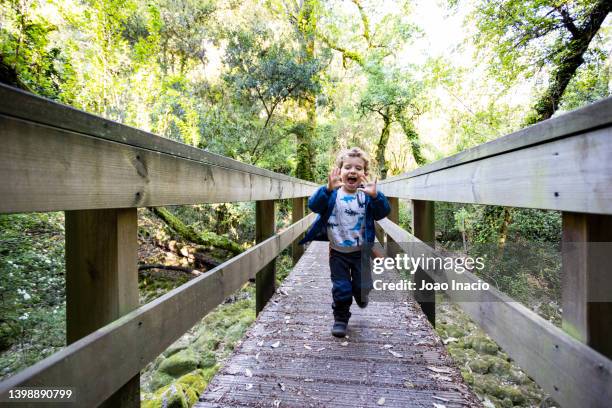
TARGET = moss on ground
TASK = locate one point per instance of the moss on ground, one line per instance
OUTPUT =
(488, 370)
(206, 346)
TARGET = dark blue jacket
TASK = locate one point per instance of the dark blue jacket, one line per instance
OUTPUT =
(322, 202)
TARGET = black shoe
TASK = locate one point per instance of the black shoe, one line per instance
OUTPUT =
(363, 303)
(339, 329)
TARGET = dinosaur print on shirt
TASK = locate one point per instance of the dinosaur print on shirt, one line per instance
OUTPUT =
(347, 227)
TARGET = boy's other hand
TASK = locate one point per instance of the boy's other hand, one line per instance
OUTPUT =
(369, 187)
(334, 180)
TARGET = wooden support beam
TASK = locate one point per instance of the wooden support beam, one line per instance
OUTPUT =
(102, 278)
(391, 247)
(265, 226)
(423, 227)
(298, 206)
(380, 234)
(587, 279)
(394, 214)
(573, 373)
(122, 348)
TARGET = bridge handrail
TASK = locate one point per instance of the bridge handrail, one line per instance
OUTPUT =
(55, 157)
(564, 163)
(122, 348)
(573, 373)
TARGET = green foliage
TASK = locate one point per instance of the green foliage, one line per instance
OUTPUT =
(27, 58)
(591, 82)
(267, 71)
(32, 306)
(524, 37)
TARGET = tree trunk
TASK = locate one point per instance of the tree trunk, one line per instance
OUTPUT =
(381, 147)
(413, 139)
(307, 25)
(203, 238)
(573, 57)
(503, 231)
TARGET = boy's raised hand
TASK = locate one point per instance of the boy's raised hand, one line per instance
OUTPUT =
(369, 187)
(334, 180)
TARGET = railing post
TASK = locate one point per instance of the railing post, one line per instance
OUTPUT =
(102, 279)
(265, 279)
(380, 234)
(423, 227)
(393, 216)
(586, 279)
(297, 213)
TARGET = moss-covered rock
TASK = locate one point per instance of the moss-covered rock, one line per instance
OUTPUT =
(487, 385)
(195, 382)
(480, 365)
(180, 363)
(207, 359)
(518, 377)
(482, 344)
(512, 393)
(455, 331)
(182, 392)
(461, 355)
(159, 379)
(172, 396)
(468, 377)
(499, 366)
(173, 349)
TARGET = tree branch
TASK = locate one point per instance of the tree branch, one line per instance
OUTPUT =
(366, 23)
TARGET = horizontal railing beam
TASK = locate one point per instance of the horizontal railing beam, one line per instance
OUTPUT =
(573, 373)
(570, 174)
(100, 363)
(43, 168)
(594, 116)
(18, 104)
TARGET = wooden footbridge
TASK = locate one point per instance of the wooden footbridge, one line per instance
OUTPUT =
(55, 158)
(391, 357)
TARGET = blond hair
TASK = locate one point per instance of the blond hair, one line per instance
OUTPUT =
(353, 152)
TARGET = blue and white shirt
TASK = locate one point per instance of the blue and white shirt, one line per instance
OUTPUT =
(346, 226)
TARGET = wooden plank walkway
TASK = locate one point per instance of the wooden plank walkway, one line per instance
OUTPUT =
(288, 358)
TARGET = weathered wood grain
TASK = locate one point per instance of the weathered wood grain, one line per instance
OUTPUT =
(298, 209)
(594, 116)
(46, 169)
(424, 228)
(102, 278)
(100, 363)
(290, 356)
(587, 280)
(16, 103)
(573, 373)
(571, 174)
(265, 279)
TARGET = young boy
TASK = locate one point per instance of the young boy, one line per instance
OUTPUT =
(347, 207)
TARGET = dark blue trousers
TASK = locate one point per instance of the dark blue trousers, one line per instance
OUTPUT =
(351, 277)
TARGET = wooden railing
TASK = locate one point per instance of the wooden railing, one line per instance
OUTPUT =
(561, 164)
(56, 158)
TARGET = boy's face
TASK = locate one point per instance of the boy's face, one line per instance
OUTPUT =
(351, 172)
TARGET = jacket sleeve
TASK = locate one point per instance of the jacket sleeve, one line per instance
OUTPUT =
(380, 206)
(318, 201)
